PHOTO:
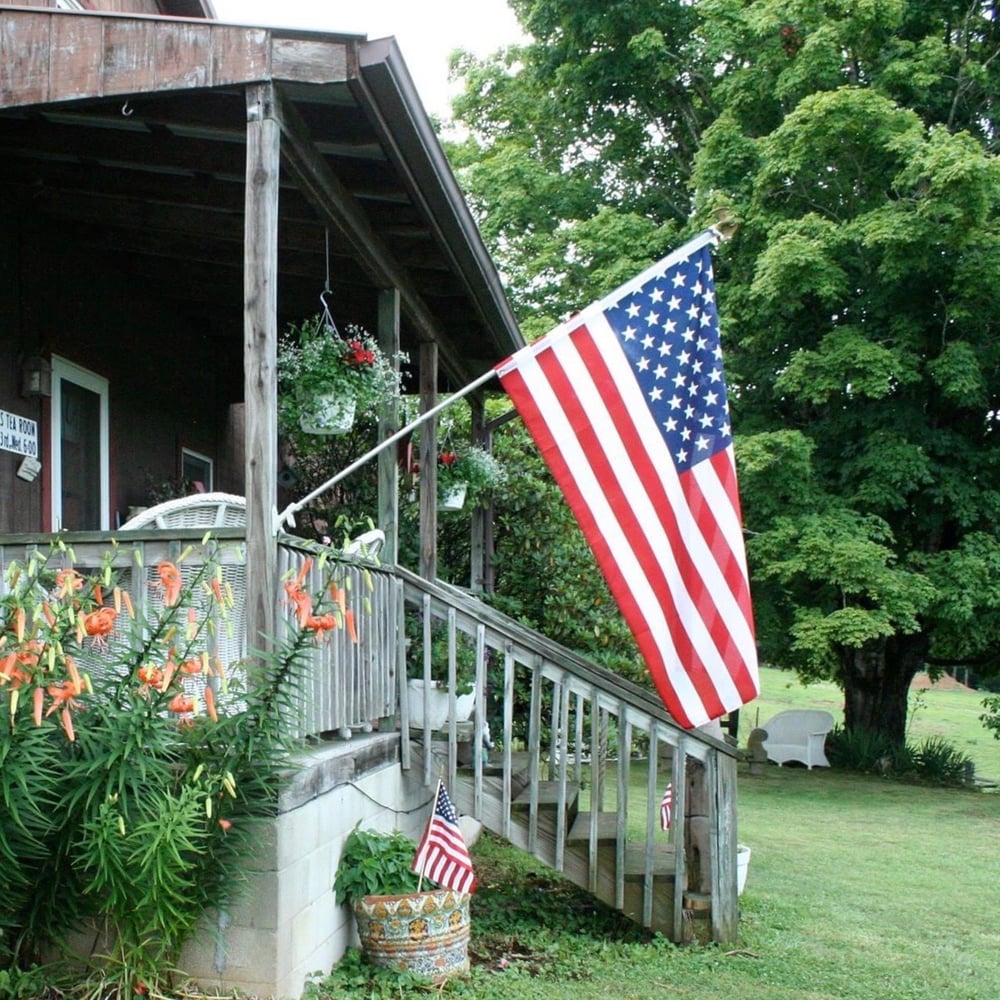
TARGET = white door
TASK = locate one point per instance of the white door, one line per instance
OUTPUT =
(81, 492)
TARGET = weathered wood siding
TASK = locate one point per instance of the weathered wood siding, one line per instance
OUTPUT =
(106, 6)
(49, 56)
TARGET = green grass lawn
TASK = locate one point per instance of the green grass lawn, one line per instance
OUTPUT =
(860, 888)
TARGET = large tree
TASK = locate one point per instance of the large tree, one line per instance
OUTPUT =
(853, 142)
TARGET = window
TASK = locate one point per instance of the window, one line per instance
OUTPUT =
(196, 469)
(69, 5)
(80, 451)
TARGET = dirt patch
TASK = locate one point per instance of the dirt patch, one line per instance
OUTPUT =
(944, 683)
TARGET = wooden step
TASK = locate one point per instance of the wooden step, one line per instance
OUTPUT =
(607, 828)
(548, 796)
(635, 861)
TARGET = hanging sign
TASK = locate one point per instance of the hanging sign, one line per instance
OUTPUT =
(18, 434)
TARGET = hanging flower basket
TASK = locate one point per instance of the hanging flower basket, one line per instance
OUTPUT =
(467, 474)
(453, 498)
(327, 414)
(322, 374)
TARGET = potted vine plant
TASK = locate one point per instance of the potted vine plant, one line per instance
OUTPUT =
(325, 380)
(467, 473)
(401, 924)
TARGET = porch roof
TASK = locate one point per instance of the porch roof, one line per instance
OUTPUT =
(126, 136)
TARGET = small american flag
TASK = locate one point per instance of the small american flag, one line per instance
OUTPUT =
(665, 806)
(442, 855)
(627, 404)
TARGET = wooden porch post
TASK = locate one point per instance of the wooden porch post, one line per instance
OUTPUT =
(260, 339)
(428, 461)
(480, 514)
(388, 423)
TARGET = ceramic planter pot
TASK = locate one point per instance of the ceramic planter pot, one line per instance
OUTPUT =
(426, 933)
(742, 867)
(437, 715)
(327, 414)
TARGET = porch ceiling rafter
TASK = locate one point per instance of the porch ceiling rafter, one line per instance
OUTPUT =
(335, 206)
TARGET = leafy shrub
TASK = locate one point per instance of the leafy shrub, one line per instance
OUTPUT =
(991, 717)
(375, 864)
(859, 750)
(940, 762)
(935, 760)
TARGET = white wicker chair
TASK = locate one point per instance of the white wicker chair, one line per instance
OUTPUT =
(199, 510)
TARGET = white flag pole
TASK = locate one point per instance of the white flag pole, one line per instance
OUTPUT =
(288, 514)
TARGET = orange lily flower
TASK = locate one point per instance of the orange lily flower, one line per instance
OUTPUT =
(67, 581)
(320, 623)
(181, 703)
(99, 624)
(170, 582)
(150, 676)
(66, 719)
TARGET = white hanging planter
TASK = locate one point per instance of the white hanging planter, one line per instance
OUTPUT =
(327, 414)
(454, 497)
(439, 700)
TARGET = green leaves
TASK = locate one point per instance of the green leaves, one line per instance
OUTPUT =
(375, 864)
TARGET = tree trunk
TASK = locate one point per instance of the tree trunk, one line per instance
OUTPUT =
(877, 681)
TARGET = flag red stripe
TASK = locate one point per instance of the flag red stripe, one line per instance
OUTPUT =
(628, 406)
(706, 599)
(604, 470)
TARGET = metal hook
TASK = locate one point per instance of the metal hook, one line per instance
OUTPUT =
(326, 318)
(126, 110)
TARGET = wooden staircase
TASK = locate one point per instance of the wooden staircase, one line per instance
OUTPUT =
(545, 819)
(568, 734)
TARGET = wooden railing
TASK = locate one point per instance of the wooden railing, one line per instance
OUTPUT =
(562, 723)
(348, 685)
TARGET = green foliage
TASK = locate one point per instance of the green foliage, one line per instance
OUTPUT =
(854, 145)
(130, 804)
(991, 717)
(26, 984)
(375, 864)
(940, 762)
(859, 750)
(465, 653)
(354, 975)
(473, 467)
(935, 760)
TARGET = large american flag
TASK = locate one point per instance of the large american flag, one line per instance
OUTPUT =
(627, 404)
(442, 855)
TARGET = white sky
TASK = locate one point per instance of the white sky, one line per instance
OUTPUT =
(427, 32)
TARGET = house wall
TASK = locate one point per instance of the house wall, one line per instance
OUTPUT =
(287, 924)
(175, 369)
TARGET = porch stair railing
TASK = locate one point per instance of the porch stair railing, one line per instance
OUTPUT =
(572, 738)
